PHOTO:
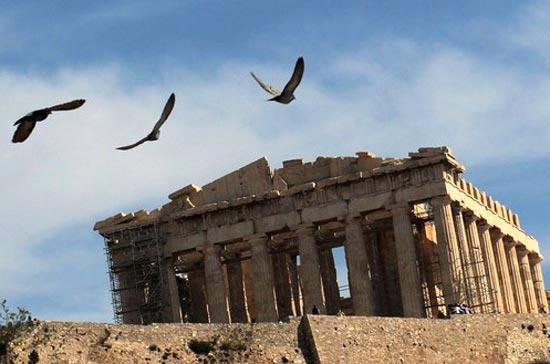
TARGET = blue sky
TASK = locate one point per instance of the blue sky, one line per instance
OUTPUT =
(387, 77)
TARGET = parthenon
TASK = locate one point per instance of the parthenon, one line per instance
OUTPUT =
(257, 245)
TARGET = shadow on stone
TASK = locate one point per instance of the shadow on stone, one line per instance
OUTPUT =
(306, 343)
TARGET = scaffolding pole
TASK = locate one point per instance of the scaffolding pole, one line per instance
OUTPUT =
(134, 258)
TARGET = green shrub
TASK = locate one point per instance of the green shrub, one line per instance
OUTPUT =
(11, 324)
(233, 345)
(201, 347)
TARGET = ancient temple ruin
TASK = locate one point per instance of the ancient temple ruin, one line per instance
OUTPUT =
(257, 245)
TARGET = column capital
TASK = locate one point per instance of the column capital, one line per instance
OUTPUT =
(457, 207)
(251, 239)
(470, 217)
(230, 255)
(483, 226)
(522, 252)
(496, 234)
(535, 258)
(508, 241)
(440, 200)
(304, 229)
(352, 219)
(400, 208)
(209, 249)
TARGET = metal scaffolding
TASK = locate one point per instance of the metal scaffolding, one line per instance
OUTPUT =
(472, 287)
(134, 258)
(473, 291)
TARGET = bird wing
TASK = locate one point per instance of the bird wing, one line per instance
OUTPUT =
(296, 77)
(24, 118)
(126, 147)
(71, 105)
(270, 89)
(23, 131)
(165, 112)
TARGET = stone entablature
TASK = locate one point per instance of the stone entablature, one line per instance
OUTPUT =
(422, 170)
(414, 212)
(496, 214)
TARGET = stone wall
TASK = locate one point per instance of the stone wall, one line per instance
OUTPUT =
(64, 342)
(462, 339)
(316, 339)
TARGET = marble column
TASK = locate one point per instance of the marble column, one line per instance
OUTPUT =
(309, 271)
(248, 275)
(527, 278)
(515, 275)
(392, 305)
(175, 305)
(266, 310)
(357, 261)
(330, 282)
(215, 285)
(447, 249)
(470, 286)
(283, 292)
(199, 309)
(409, 278)
(490, 265)
(503, 271)
(476, 259)
(237, 306)
(294, 284)
(538, 282)
(427, 241)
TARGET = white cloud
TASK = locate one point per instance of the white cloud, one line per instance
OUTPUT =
(389, 99)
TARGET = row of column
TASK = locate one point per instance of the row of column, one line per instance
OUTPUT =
(473, 255)
(274, 295)
(474, 259)
(245, 291)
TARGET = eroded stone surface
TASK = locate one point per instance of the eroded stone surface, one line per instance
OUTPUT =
(65, 342)
(462, 339)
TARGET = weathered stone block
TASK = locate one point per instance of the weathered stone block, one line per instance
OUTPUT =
(325, 212)
(187, 190)
(229, 232)
(277, 222)
(299, 188)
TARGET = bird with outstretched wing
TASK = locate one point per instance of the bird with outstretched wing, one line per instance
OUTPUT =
(26, 124)
(155, 133)
(287, 95)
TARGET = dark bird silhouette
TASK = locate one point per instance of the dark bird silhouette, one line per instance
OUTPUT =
(287, 95)
(28, 122)
(155, 133)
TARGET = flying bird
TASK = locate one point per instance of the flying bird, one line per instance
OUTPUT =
(155, 133)
(287, 95)
(27, 123)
